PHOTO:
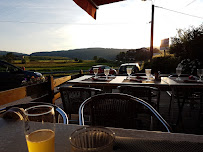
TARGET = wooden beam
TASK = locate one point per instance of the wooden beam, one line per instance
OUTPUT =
(56, 96)
(34, 91)
(60, 81)
(12, 95)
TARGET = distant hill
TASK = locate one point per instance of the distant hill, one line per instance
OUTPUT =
(84, 54)
(15, 53)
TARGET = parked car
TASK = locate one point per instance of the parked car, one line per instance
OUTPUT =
(12, 76)
(101, 69)
(135, 68)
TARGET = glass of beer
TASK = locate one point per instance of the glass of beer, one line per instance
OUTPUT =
(106, 72)
(39, 132)
(129, 71)
(95, 71)
(178, 72)
(148, 74)
(200, 74)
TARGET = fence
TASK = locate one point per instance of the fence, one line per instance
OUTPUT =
(38, 92)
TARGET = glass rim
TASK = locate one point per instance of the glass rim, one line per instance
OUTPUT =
(112, 134)
(37, 106)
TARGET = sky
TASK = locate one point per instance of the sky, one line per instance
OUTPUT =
(28, 26)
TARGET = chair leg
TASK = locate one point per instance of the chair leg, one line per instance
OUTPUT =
(180, 107)
(169, 108)
(171, 97)
(151, 123)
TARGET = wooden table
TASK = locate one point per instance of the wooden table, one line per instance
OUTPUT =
(86, 80)
(184, 87)
(127, 140)
(185, 82)
(166, 84)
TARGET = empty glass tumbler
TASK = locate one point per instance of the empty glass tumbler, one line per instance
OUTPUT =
(92, 139)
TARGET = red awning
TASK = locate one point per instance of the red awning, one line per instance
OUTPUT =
(90, 6)
(102, 2)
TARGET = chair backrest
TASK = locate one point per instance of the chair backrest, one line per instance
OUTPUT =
(60, 115)
(147, 93)
(122, 111)
(72, 97)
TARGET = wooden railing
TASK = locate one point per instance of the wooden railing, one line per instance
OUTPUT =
(38, 92)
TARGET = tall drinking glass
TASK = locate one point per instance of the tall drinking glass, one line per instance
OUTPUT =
(148, 74)
(95, 71)
(178, 72)
(129, 71)
(106, 72)
(200, 74)
(39, 133)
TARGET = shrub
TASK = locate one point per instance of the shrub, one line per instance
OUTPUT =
(165, 64)
(101, 60)
(23, 61)
(80, 61)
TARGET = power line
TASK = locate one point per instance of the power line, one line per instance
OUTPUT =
(179, 12)
(26, 22)
(190, 3)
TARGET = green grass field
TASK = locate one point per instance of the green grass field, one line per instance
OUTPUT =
(55, 65)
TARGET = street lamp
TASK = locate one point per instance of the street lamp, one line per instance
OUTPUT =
(152, 31)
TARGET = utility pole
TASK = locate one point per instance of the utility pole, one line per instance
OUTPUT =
(152, 33)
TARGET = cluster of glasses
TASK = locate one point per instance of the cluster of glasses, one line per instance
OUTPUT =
(199, 73)
(106, 72)
(147, 72)
(40, 136)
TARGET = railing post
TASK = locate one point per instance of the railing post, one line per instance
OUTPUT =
(51, 89)
(81, 72)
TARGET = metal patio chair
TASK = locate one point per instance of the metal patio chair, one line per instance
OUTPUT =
(122, 111)
(147, 93)
(72, 97)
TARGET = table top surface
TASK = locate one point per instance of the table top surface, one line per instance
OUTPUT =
(116, 80)
(12, 139)
(184, 81)
(122, 80)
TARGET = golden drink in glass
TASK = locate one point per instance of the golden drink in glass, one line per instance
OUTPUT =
(39, 132)
(41, 140)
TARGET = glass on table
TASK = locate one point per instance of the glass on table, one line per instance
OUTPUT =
(178, 72)
(106, 72)
(148, 74)
(95, 71)
(39, 133)
(129, 71)
(92, 139)
(200, 74)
